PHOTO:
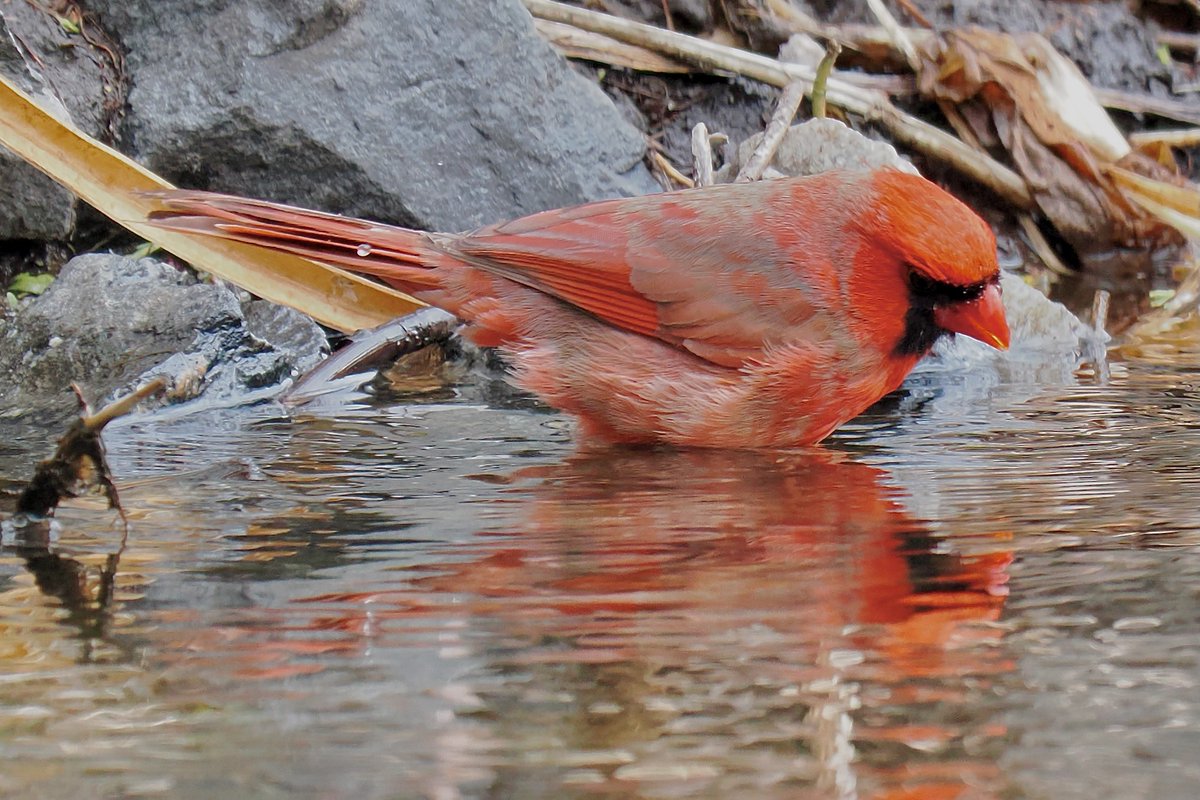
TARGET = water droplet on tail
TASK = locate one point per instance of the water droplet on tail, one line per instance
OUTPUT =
(364, 250)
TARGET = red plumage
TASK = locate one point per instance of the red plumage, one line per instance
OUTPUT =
(741, 315)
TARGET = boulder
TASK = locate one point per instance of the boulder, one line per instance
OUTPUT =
(442, 114)
(74, 80)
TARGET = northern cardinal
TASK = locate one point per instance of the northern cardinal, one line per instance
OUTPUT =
(753, 315)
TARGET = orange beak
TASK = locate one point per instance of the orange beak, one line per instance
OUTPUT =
(982, 318)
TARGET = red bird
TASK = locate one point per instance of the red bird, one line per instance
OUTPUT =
(752, 315)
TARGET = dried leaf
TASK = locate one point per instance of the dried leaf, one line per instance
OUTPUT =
(1049, 91)
(1018, 92)
(114, 185)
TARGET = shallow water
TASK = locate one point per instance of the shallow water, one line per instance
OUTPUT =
(984, 588)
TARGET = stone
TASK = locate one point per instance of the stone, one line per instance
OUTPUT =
(444, 114)
(109, 323)
(33, 206)
(819, 145)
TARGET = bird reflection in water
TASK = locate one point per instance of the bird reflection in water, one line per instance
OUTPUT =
(649, 621)
(718, 622)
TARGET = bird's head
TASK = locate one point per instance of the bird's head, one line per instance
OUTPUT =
(947, 260)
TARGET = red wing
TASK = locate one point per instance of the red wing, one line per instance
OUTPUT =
(692, 268)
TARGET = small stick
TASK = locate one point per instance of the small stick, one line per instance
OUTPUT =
(672, 171)
(1100, 310)
(915, 13)
(666, 5)
(821, 81)
(1166, 107)
(1187, 137)
(781, 120)
(900, 40)
(702, 157)
(1182, 42)
(120, 407)
(1040, 245)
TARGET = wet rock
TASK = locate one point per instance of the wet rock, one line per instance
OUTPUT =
(431, 113)
(1048, 342)
(110, 322)
(286, 329)
(59, 70)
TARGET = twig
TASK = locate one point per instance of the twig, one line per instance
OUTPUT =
(702, 157)
(1188, 137)
(1176, 40)
(119, 408)
(820, 87)
(901, 40)
(1100, 310)
(1145, 104)
(666, 6)
(915, 13)
(670, 170)
(1041, 246)
(575, 42)
(781, 120)
(872, 105)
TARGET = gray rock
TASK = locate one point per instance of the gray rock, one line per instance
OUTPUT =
(819, 145)
(430, 113)
(31, 205)
(109, 323)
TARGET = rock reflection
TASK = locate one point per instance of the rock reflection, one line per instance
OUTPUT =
(702, 623)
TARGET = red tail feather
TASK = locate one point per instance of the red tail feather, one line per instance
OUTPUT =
(402, 257)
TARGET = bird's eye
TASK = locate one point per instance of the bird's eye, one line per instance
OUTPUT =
(937, 292)
(921, 285)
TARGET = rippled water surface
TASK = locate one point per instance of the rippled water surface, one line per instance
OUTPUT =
(985, 588)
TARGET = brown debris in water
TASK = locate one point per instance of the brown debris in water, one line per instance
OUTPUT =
(78, 467)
